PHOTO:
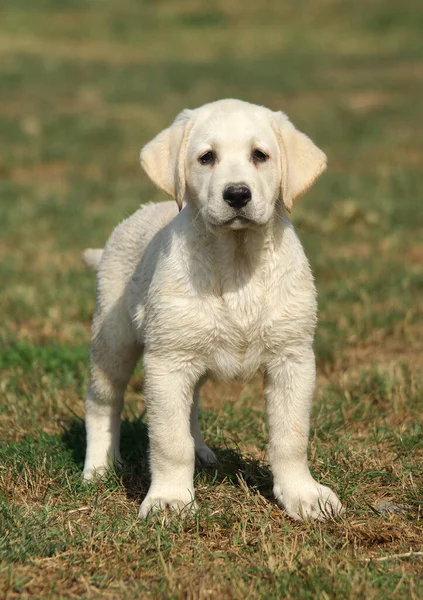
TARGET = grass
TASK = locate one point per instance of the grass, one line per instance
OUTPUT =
(84, 85)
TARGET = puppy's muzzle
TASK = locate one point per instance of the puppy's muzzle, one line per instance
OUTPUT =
(237, 195)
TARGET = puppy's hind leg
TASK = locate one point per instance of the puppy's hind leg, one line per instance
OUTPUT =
(203, 453)
(113, 358)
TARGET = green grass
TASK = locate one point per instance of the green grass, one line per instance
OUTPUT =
(83, 86)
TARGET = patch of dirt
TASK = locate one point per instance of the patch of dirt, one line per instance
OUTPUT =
(51, 330)
(39, 173)
(217, 394)
(389, 351)
(398, 71)
(366, 100)
(356, 250)
(111, 52)
(414, 253)
(50, 172)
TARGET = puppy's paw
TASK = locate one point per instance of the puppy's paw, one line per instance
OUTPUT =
(182, 503)
(94, 470)
(94, 473)
(206, 457)
(308, 500)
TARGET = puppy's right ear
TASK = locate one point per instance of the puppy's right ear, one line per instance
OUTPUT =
(163, 159)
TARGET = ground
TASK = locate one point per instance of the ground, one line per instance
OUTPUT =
(84, 85)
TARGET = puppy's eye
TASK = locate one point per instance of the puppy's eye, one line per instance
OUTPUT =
(208, 158)
(259, 156)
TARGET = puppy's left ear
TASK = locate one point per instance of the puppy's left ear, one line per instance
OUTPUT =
(163, 159)
(301, 160)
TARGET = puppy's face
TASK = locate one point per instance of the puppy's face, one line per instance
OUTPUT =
(233, 167)
(234, 161)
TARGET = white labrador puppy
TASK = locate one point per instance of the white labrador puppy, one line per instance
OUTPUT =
(220, 289)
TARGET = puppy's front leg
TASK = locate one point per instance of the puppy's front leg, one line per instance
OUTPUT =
(289, 386)
(169, 396)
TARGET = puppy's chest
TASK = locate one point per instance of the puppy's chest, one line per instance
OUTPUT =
(240, 332)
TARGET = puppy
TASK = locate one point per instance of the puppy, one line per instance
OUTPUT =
(220, 288)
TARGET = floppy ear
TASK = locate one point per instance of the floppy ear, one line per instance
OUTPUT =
(301, 160)
(163, 159)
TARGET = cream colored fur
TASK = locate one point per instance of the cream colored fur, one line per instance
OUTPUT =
(210, 291)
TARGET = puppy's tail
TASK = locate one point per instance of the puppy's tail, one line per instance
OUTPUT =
(92, 257)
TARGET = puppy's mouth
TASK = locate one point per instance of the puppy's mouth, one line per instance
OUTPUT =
(236, 222)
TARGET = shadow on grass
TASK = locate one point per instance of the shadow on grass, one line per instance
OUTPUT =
(134, 475)
(234, 467)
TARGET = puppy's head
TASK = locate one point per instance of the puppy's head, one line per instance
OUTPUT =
(234, 161)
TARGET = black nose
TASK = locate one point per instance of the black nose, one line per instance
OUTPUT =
(237, 195)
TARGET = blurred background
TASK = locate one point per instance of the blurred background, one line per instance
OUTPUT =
(85, 83)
